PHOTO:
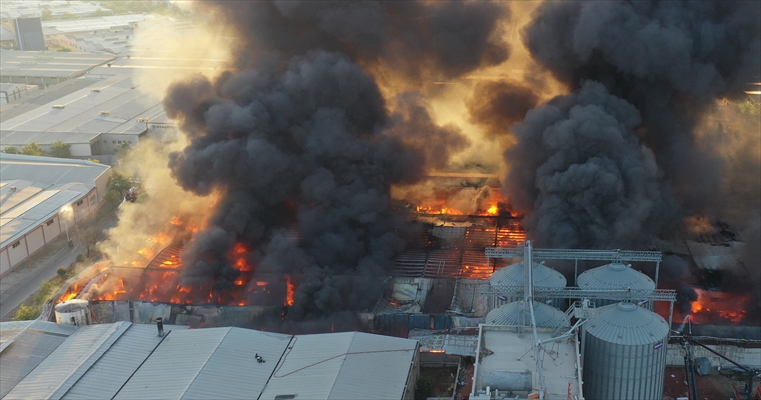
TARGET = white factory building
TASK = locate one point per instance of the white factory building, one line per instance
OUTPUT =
(40, 197)
(121, 360)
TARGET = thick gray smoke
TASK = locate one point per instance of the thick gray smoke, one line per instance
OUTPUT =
(579, 165)
(591, 182)
(299, 138)
(412, 39)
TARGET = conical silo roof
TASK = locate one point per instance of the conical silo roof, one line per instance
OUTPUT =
(627, 324)
(512, 314)
(614, 276)
(513, 275)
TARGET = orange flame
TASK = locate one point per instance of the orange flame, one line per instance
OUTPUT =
(711, 305)
(290, 290)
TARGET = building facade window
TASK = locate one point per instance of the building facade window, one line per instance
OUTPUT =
(50, 222)
(17, 244)
(79, 203)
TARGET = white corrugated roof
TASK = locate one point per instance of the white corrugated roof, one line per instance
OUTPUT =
(127, 361)
(114, 106)
(349, 365)
(77, 354)
(24, 350)
(43, 185)
(207, 363)
(104, 379)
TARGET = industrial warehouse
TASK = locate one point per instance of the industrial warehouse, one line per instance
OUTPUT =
(41, 197)
(527, 331)
(128, 361)
(484, 200)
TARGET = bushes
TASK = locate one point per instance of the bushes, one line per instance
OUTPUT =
(424, 388)
(26, 313)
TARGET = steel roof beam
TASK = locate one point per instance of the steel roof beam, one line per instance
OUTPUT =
(569, 254)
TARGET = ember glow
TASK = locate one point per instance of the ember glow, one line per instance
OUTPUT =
(718, 307)
(290, 290)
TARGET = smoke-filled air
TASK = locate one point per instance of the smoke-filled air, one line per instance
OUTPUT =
(304, 148)
(601, 119)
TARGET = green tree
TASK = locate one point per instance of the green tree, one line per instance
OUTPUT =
(26, 313)
(64, 50)
(47, 15)
(11, 150)
(118, 184)
(62, 272)
(89, 236)
(423, 388)
(68, 15)
(123, 150)
(60, 149)
(32, 149)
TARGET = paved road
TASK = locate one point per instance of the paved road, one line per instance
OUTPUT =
(29, 276)
(31, 283)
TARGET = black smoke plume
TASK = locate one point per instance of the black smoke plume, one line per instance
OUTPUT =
(583, 175)
(297, 136)
(580, 168)
(411, 39)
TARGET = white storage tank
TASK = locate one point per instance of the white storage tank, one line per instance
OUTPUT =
(545, 277)
(514, 314)
(72, 312)
(614, 276)
(624, 354)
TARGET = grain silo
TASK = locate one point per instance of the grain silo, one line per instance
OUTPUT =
(614, 276)
(624, 350)
(514, 314)
(513, 276)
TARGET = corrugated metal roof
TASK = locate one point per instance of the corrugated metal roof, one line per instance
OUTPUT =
(232, 372)
(207, 363)
(513, 275)
(512, 314)
(28, 349)
(61, 369)
(376, 367)
(48, 63)
(104, 379)
(49, 170)
(614, 276)
(626, 323)
(348, 365)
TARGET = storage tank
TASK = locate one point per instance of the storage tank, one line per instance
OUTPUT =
(544, 278)
(513, 314)
(624, 354)
(72, 312)
(614, 276)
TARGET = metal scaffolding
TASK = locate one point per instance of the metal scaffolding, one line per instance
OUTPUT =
(617, 255)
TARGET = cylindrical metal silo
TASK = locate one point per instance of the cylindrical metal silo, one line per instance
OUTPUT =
(624, 354)
(545, 277)
(614, 276)
(514, 314)
(72, 312)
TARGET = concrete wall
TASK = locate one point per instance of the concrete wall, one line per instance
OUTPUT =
(35, 240)
(17, 251)
(5, 263)
(741, 355)
(52, 228)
